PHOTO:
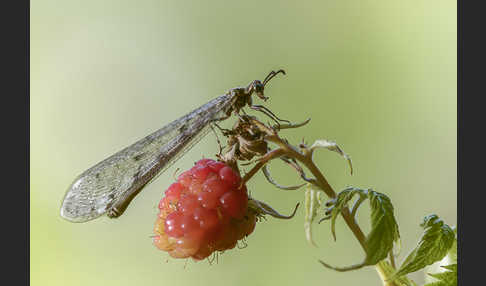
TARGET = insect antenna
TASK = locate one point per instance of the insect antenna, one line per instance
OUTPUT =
(271, 75)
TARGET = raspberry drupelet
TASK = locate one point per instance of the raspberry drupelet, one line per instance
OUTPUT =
(203, 212)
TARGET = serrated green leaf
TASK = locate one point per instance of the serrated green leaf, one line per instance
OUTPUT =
(434, 245)
(312, 204)
(340, 202)
(444, 263)
(453, 250)
(332, 146)
(447, 278)
(384, 228)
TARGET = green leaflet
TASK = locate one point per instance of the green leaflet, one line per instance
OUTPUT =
(312, 204)
(447, 278)
(452, 254)
(436, 241)
(340, 202)
(384, 228)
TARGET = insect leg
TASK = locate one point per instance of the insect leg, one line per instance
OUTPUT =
(226, 132)
(265, 110)
(217, 138)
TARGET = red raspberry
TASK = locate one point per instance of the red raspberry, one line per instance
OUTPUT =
(203, 212)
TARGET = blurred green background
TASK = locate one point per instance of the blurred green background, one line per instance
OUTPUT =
(378, 77)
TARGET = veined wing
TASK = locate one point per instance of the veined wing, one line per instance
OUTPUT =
(124, 174)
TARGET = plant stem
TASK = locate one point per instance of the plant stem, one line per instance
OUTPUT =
(321, 181)
(305, 157)
(324, 185)
(392, 260)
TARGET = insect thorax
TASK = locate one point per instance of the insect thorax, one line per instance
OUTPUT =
(241, 98)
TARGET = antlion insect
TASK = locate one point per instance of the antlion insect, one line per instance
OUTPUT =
(109, 186)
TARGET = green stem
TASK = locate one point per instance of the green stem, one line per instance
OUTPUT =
(326, 187)
(321, 181)
(305, 157)
(348, 218)
(384, 274)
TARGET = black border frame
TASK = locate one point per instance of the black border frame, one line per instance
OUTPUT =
(15, 120)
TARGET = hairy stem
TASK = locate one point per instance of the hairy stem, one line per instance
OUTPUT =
(320, 180)
(324, 185)
(304, 155)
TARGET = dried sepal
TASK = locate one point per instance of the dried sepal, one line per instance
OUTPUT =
(331, 146)
(262, 209)
(269, 178)
(312, 205)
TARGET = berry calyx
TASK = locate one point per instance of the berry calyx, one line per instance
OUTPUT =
(203, 212)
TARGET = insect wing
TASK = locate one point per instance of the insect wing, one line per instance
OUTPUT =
(97, 189)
